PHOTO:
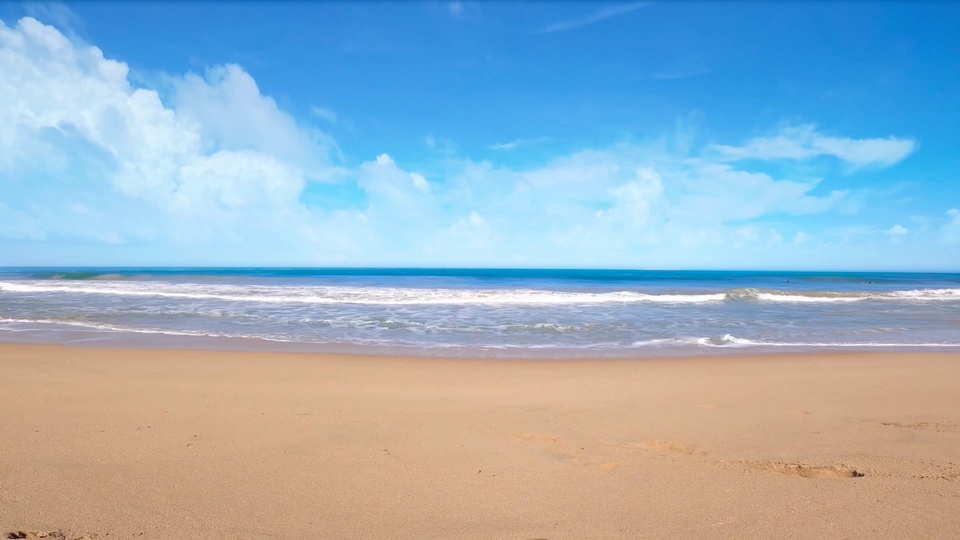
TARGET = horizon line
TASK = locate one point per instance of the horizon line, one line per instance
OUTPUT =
(514, 268)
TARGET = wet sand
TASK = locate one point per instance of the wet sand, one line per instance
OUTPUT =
(122, 443)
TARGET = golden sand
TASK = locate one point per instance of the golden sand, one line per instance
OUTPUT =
(99, 443)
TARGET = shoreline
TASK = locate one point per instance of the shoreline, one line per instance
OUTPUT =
(744, 354)
(167, 443)
(172, 342)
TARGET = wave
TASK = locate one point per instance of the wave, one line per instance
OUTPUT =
(78, 276)
(726, 341)
(734, 341)
(842, 296)
(415, 296)
(351, 295)
(104, 327)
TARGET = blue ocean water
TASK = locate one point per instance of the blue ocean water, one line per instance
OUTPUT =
(481, 312)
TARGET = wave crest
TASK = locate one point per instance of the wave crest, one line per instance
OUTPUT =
(413, 296)
(919, 295)
(351, 295)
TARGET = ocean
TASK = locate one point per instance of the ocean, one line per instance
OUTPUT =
(481, 312)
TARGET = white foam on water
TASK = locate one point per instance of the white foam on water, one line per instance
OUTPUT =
(919, 295)
(437, 296)
(350, 295)
(734, 341)
(727, 341)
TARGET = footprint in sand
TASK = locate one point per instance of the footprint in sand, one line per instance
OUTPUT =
(808, 471)
(672, 446)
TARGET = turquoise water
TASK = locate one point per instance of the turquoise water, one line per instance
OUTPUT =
(486, 312)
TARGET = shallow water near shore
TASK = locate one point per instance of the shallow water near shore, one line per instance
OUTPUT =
(481, 312)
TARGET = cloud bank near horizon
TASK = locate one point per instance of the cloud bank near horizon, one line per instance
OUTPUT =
(206, 169)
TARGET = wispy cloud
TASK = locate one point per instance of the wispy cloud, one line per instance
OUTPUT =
(456, 8)
(441, 145)
(513, 145)
(58, 14)
(597, 16)
(950, 232)
(324, 114)
(804, 142)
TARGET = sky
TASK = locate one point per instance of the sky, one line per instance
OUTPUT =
(659, 135)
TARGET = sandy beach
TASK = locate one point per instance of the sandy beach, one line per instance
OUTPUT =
(113, 443)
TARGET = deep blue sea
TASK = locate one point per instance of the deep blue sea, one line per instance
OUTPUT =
(480, 312)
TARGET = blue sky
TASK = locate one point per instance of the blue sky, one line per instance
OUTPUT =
(797, 135)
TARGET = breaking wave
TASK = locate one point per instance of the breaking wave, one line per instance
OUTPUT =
(734, 341)
(452, 296)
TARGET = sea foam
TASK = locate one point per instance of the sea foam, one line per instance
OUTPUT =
(414, 296)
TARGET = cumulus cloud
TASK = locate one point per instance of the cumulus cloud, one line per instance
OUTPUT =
(224, 155)
(420, 182)
(398, 209)
(633, 201)
(804, 142)
(209, 170)
(473, 229)
(232, 114)
(897, 230)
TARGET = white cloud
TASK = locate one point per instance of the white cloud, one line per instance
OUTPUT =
(471, 232)
(800, 238)
(717, 192)
(506, 146)
(950, 232)
(513, 145)
(774, 237)
(324, 114)
(456, 8)
(440, 145)
(227, 161)
(420, 182)
(920, 224)
(232, 114)
(396, 196)
(593, 18)
(804, 142)
(897, 230)
(220, 174)
(57, 14)
(634, 200)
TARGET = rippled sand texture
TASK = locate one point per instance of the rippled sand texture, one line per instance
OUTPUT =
(171, 444)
